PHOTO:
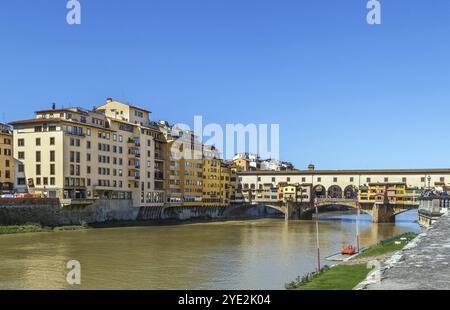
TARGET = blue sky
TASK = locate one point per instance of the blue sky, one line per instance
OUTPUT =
(346, 94)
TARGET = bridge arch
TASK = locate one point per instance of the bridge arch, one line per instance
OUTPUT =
(335, 191)
(319, 191)
(350, 192)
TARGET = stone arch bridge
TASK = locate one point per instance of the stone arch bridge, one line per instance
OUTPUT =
(380, 212)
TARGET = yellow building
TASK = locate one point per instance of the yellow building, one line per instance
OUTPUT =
(242, 164)
(229, 183)
(185, 167)
(294, 192)
(395, 193)
(6, 160)
(213, 185)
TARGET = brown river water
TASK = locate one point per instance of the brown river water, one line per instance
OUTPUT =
(256, 254)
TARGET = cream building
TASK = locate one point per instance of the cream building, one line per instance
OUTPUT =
(185, 166)
(6, 160)
(111, 152)
(339, 183)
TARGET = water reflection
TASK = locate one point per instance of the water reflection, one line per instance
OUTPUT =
(262, 254)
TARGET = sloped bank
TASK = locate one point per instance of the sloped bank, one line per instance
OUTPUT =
(48, 212)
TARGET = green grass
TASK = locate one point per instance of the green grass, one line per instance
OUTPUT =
(18, 229)
(387, 246)
(34, 228)
(341, 277)
(346, 277)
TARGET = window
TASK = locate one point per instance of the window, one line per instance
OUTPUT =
(404, 180)
(21, 168)
(52, 181)
(319, 179)
(52, 156)
(38, 156)
(352, 179)
(303, 179)
(21, 142)
(442, 179)
(21, 155)
(335, 180)
(38, 169)
(52, 169)
(386, 180)
(52, 141)
(368, 180)
(38, 141)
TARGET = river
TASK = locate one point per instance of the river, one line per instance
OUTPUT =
(257, 254)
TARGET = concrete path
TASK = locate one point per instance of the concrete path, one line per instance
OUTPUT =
(424, 264)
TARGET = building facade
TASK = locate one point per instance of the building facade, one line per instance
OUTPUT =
(185, 166)
(6, 160)
(340, 183)
(75, 154)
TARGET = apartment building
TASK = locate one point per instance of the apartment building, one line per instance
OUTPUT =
(247, 162)
(229, 183)
(111, 152)
(185, 166)
(6, 160)
(213, 180)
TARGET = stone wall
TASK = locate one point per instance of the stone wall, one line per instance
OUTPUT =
(48, 212)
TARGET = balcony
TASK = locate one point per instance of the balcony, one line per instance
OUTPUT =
(134, 142)
(134, 154)
(159, 157)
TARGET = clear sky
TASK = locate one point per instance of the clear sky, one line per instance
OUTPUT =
(346, 94)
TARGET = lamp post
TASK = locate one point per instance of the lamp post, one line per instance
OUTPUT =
(358, 211)
(316, 205)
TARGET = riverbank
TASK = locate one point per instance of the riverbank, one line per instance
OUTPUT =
(35, 228)
(348, 274)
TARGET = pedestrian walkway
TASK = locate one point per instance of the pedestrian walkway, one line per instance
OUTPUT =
(423, 264)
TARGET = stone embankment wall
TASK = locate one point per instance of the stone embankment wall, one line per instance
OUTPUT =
(48, 212)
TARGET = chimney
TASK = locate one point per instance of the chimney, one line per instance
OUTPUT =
(108, 100)
(311, 167)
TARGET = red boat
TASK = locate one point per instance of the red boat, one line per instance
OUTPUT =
(349, 250)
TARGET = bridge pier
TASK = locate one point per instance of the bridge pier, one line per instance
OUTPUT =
(383, 213)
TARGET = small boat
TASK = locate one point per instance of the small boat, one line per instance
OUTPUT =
(349, 250)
